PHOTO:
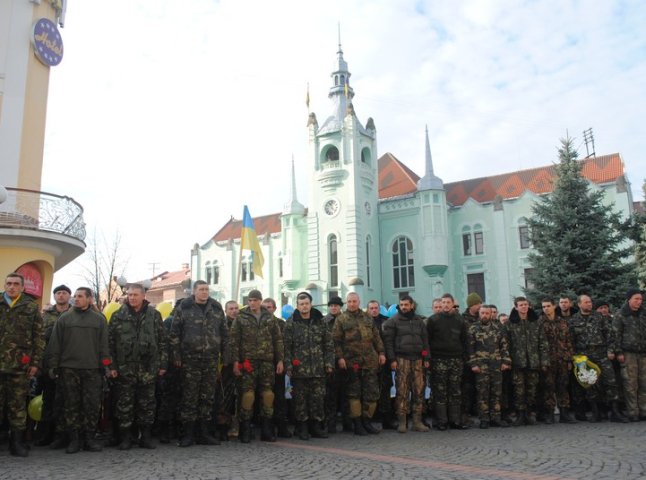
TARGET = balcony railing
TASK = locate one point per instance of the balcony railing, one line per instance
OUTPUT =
(33, 210)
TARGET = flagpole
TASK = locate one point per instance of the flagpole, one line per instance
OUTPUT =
(239, 267)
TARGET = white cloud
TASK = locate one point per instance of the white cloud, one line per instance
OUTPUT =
(166, 117)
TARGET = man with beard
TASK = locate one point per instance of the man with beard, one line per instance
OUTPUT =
(406, 342)
(309, 356)
(335, 383)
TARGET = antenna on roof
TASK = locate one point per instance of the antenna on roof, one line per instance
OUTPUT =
(588, 138)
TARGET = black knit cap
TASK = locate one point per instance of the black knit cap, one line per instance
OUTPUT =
(633, 291)
(62, 288)
(335, 301)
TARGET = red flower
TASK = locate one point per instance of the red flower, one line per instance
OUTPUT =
(25, 359)
(246, 365)
(424, 353)
(356, 367)
(106, 362)
(296, 362)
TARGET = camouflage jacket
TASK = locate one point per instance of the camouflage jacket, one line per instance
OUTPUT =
(629, 331)
(558, 339)
(528, 346)
(197, 334)
(590, 333)
(138, 338)
(256, 339)
(405, 335)
(309, 349)
(357, 340)
(49, 320)
(21, 335)
(487, 345)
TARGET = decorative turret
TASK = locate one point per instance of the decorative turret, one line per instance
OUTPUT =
(429, 181)
(293, 206)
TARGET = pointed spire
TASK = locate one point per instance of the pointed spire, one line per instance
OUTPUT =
(429, 181)
(293, 206)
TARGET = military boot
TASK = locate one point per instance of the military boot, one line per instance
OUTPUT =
(596, 415)
(204, 436)
(92, 444)
(496, 421)
(75, 442)
(455, 418)
(223, 432)
(126, 439)
(616, 415)
(245, 431)
(359, 428)
(316, 430)
(16, 447)
(368, 426)
(531, 418)
(188, 431)
(45, 434)
(565, 416)
(442, 418)
(60, 441)
(303, 431)
(267, 431)
(521, 419)
(403, 424)
(418, 425)
(282, 429)
(146, 441)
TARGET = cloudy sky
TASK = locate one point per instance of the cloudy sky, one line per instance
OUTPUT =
(166, 117)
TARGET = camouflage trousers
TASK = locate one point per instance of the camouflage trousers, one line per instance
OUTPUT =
(525, 385)
(556, 381)
(488, 384)
(260, 379)
(410, 379)
(198, 390)
(468, 387)
(335, 398)
(136, 403)
(363, 386)
(13, 399)
(82, 391)
(170, 392)
(386, 405)
(633, 374)
(309, 398)
(446, 380)
(606, 387)
(225, 395)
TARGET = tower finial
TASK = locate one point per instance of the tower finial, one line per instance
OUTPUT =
(429, 181)
(293, 205)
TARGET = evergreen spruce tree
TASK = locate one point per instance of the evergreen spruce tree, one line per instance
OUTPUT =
(578, 245)
(640, 244)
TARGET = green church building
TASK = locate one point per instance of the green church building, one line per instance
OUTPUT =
(374, 227)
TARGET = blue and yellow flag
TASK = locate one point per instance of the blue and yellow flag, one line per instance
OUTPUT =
(249, 241)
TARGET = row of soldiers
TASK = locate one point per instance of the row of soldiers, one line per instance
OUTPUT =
(212, 364)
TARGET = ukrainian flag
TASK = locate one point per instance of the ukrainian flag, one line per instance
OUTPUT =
(249, 241)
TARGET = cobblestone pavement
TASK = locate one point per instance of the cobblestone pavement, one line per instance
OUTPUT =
(590, 451)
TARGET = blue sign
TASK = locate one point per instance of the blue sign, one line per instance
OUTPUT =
(47, 42)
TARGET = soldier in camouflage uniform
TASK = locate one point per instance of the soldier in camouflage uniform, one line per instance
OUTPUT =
(309, 358)
(198, 339)
(226, 386)
(406, 343)
(488, 358)
(21, 352)
(138, 347)
(335, 383)
(591, 336)
(170, 386)
(360, 351)
(386, 405)
(447, 337)
(629, 345)
(52, 432)
(468, 387)
(280, 402)
(78, 354)
(529, 354)
(257, 351)
(557, 376)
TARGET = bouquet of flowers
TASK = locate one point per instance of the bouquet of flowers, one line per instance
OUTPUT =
(586, 372)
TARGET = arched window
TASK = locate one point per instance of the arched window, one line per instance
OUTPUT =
(334, 261)
(365, 156)
(478, 239)
(208, 273)
(403, 263)
(467, 248)
(331, 154)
